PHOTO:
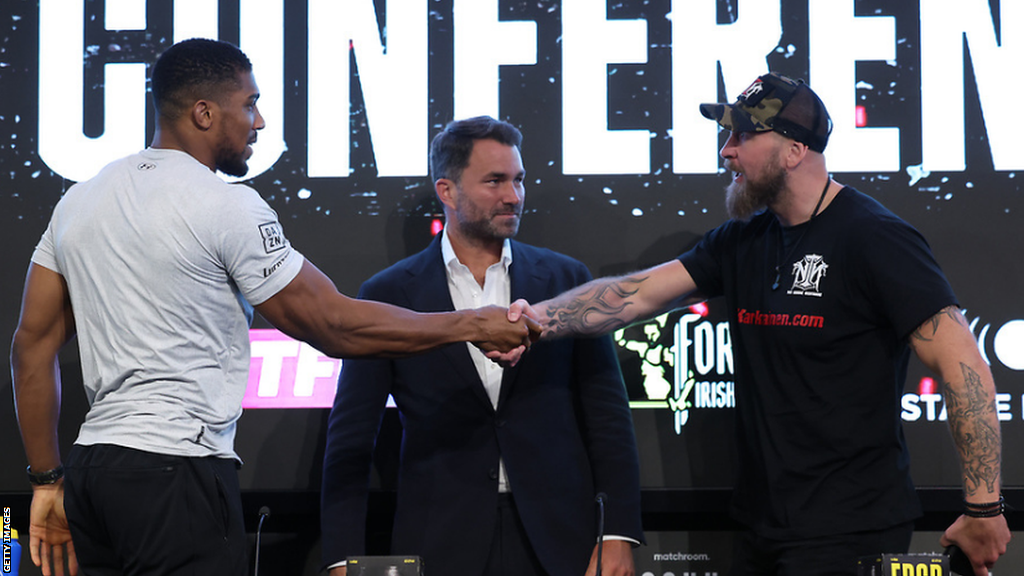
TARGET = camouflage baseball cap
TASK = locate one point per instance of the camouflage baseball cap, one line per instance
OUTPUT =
(774, 102)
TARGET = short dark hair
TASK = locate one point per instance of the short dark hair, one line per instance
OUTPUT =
(451, 148)
(193, 70)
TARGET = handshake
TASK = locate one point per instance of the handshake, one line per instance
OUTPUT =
(509, 332)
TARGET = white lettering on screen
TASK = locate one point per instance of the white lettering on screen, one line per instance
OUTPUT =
(394, 78)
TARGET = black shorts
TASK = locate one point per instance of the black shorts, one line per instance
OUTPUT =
(833, 555)
(134, 512)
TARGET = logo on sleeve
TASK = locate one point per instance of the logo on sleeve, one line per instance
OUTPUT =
(807, 275)
(273, 236)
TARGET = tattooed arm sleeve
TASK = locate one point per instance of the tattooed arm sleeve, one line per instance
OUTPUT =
(945, 344)
(606, 304)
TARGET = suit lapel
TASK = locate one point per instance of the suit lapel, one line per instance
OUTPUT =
(529, 281)
(427, 291)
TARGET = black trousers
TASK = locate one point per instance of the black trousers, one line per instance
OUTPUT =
(511, 552)
(139, 513)
(834, 555)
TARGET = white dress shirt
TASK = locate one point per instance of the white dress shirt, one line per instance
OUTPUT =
(497, 290)
(467, 293)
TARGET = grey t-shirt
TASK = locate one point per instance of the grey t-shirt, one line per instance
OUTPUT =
(164, 261)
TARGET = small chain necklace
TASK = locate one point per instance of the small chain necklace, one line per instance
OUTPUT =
(779, 261)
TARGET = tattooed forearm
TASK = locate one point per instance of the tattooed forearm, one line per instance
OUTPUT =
(972, 420)
(600, 309)
(926, 332)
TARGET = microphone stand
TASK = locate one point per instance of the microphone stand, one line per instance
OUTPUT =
(600, 528)
(264, 514)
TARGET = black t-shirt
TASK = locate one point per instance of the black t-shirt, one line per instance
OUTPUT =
(821, 361)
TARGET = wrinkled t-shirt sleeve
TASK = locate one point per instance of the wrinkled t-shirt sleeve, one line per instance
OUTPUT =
(45, 255)
(254, 249)
(904, 278)
(704, 264)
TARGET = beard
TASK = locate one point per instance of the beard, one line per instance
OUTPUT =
(230, 161)
(485, 230)
(233, 165)
(482, 227)
(743, 200)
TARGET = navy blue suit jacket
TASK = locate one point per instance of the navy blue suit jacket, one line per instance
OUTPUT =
(562, 426)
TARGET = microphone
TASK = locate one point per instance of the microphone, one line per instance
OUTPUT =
(959, 563)
(600, 498)
(264, 514)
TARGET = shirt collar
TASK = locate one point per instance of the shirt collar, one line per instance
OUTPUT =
(450, 259)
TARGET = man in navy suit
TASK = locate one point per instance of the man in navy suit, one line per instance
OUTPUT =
(500, 468)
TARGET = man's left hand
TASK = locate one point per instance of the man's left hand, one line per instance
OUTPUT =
(49, 536)
(983, 540)
(616, 559)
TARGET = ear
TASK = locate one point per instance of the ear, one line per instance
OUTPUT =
(446, 191)
(795, 153)
(202, 114)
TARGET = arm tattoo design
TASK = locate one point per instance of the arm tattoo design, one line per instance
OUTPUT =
(970, 414)
(926, 331)
(596, 311)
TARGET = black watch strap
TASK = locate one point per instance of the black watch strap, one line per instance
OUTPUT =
(44, 478)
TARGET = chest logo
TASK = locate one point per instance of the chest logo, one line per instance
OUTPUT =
(807, 275)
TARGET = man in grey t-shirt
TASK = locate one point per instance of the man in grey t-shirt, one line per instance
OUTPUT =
(156, 264)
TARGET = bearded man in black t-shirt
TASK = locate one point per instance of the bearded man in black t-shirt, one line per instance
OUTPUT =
(827, 294)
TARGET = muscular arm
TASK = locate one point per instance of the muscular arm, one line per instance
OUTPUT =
(606, 304)
(310, 308)
(46, 324)
(945, 344)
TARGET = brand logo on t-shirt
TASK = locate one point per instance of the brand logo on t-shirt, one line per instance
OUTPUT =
(144, 166)
(268, 271)
(273, 236)
(807, 275)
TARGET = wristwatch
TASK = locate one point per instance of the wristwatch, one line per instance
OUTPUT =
(44, 478)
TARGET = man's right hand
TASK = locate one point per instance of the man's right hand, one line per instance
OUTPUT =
(503, 335)
(521, 308)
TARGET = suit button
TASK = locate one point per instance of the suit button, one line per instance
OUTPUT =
(500, 423)
(493, 473)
